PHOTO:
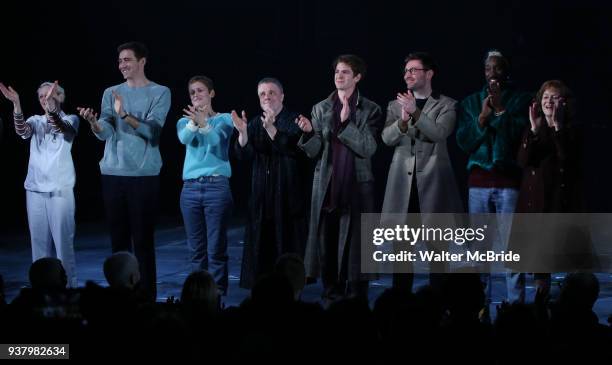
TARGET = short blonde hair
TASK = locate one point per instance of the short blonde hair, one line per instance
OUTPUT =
(60, 90)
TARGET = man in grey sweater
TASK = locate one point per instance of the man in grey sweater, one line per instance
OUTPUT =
(131, 120)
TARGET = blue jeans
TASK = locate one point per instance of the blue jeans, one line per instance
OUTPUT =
(499, 200)
(206, 203)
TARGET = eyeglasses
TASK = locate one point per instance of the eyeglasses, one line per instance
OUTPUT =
(413, 70)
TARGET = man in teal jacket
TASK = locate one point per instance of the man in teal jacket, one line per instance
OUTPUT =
(489, 130)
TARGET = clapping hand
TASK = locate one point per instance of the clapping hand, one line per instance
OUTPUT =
(268, 118)
(495, 96)
(88, 114)
(50, 101)
(534, 118)
(408, 103)
(92, 117)
(345, 113)
(9, 93)
(558, 114)
(304, 124)
(118, 104)
(199, 115)
(240, 122)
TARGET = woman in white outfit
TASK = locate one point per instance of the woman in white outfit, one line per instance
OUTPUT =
(50, 180)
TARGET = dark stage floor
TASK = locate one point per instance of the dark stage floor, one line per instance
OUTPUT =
(93, 246)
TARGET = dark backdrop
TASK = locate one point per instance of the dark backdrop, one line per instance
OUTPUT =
(237, 43)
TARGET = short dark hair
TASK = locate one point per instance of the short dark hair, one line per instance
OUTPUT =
(292, 266)
(426, 59)
(207, 81)
(139, 49)
(579, 291)
(48, 273)
(356, 63)
(271, 80)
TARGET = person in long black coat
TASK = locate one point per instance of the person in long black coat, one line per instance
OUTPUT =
(550, 155)
(276, 214)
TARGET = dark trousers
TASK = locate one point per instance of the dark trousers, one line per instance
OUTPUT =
(341, 276)
(405, 281)
(131, 204)
(333, 273)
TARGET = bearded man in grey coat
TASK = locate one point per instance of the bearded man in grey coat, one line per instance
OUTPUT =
(421, 177)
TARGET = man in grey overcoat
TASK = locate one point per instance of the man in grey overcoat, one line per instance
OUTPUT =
(340, 136)
(421, 178)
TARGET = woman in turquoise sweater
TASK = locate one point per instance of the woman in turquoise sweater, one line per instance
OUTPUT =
(206, 198)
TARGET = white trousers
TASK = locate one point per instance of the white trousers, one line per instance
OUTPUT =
(51, 222)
